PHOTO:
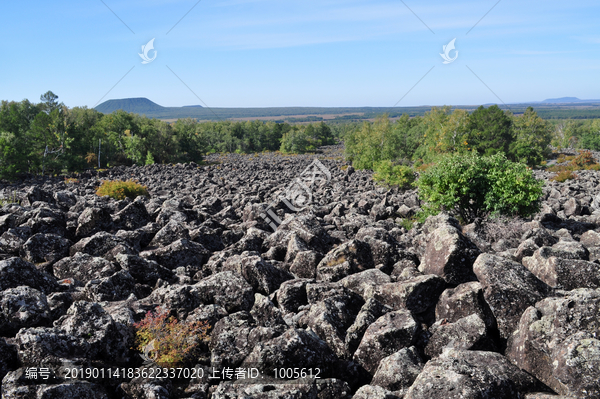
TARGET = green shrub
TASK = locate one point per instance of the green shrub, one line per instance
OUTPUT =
(472, 186)
(583, 160)
(393, 175)
(120, 190)
(168, 342)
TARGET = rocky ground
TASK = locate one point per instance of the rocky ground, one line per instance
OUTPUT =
(500, 309)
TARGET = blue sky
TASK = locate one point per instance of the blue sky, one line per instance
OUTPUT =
(264, 53)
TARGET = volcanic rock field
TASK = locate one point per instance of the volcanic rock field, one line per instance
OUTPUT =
(339, 301)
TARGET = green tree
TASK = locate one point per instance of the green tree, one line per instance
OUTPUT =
(489, 131)
(532, 138)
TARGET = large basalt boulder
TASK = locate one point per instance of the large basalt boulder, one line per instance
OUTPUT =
(294, 348)
(227, 289)
(117, 287)
(22, 307)
(557, 341)
(348, 258)
(469, 333)
(12, 240)
(331, 318)
(40, 344)
(170, 233)
(15, 272)
(417, 294)
(509, 289)
(265, 313)
(182, 252)
(144, 271)
(83, 267)
(449, 255)
(398, 371)
(8, 358)
(390, 333)
(45, 248)
(261, 275)
(359, 282)
(91, 322)
(133, 216)
(462, 301)
(368, 314)
(564, 269)
(293, 390)
(471, 375)
(101, 244)
(19, 385)
(305, 264)
(91, 221)
(292, 294)
(373, 392)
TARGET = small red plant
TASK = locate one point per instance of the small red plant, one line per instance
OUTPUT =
(167, 341)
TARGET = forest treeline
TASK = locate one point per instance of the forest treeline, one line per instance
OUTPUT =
(48, 137)
(487, 131)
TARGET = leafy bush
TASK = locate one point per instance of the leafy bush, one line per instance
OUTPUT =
(472, 186)
(393, 175)
(584, 159)
(564, 176)
(168, 342)
(120, 190)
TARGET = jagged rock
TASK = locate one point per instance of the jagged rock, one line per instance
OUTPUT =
(449, 255)
(292, 294)
(463, 301)
(170, 233)
(368, 314)
(398, 371)
(114, 288)
(470, 375)
(83, 267)
(305, 264)
(293, 390)
(417, 294)
(563, 273)
(590, 238)
(265, 313)
(373, 392)
(262, 276)
(15, 272)
(508, 288)
(133, 216)
(525, 249)
(469, 333)
(390, 333)
(12, 240)
(45, 248)
(182, 252)
(333, 388)
(22, 307)
(101, 244)
(227, 289)
(359, 282)
(18, 385)
(230, 340)
(557, 342)
(89, 321)
(572, 207)
(64, 199)
(35, 345)
(91, 221)
(144, 271)
(349, 258)
(8, 358)
(317, 292)
(330, 319)
(294, 348)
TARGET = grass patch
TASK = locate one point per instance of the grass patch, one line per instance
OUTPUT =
(119, 189)
(564, 176)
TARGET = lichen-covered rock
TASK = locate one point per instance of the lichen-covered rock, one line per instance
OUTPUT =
(292, 294)
(462, 301)
(83, 267)
(45, 248)
(182, 252)
(170, 233)
(368, 314)
(349, 258)
(12, 240)
(469, 333)
(36, 345)
(261, 275)
(563, 273)
(18, 386)
(398, 371)
(416, 294)
(557, 341)
(359, 282)
(227, 289)
(144, 271)
(293, 390)
(449, 255)
(373, 392)
(508, 288)
(117, 287)
(91, 221)
(390, 333)
(100, 244)
(265, 313)
(133, 216)
(15, 272)
(471, 375)
(294, 348)
(305, 264)
(22, 307)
